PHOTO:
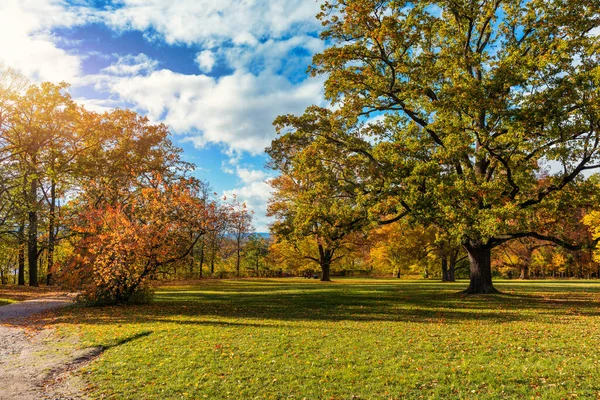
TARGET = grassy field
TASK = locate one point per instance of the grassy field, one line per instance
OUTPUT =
(351, 339)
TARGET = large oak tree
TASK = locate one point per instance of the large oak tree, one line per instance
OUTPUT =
(479, 99)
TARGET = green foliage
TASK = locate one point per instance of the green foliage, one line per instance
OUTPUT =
(372, 339)
(475, 101)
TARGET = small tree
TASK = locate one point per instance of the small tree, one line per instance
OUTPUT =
(239, 226)
(313, 198)
(125, 243)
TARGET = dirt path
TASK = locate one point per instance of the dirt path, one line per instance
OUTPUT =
(36, 364)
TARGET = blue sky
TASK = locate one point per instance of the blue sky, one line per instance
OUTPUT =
(216, 71)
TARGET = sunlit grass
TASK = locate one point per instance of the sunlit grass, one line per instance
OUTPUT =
(4, 302)
(365, 339)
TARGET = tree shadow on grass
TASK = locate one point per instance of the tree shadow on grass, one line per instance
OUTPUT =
(254, 302)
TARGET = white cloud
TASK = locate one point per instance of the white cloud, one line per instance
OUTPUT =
(27, 43)
(255, 192)
(251, 175)
(235, 110)
(273, 54)
(131, 65)
(209, 21)
(97, 105)
(206, 61)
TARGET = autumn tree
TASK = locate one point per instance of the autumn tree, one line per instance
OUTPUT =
(475, 101)
(289, 256)
(313, 196)
(40, 119)
(123, 243)
(257, 248)
(401, 246)
(239, 226)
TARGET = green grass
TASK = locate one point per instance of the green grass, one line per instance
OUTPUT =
(367, 339)
(4, 302)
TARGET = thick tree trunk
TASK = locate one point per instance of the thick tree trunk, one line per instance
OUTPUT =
(325, 267)
(451, 274)
(51, 233)
(444, 269)
(21, 255)
(481, 269)
(452, 265)
(32, 245)
(325, 257)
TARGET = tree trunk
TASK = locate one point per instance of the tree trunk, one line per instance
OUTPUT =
(444, 269)
(213, 246)
(452, 265)
(237, 260)
(51, 233)
(32, 245)
(325, 267)
(21, 256)
(481, 269)
(325, 257)
(201, 259)
(524, 272)
(192, 257)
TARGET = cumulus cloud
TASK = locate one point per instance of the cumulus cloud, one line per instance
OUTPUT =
(274, 54)
(206, 22)
(251, 175)
(255, 192)
(235, 110)
(205, 60)
(131, 65)
(27, 42)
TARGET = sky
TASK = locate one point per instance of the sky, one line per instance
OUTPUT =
(217, 72)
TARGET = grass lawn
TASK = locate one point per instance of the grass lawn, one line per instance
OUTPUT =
(350, 339)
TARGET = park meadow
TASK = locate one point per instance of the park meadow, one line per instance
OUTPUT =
(349, 339)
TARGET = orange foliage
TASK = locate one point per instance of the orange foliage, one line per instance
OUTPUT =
(124, 243)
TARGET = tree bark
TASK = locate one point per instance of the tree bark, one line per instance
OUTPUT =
(191, 258)
(444, 269)
(524, 272)
(213, 255)
(325, 268)
(237, 259)
(481, 268)
(32, 245)
(201, 259)
(51, 233)
(21, 256)
(325, 257)
(452, 265)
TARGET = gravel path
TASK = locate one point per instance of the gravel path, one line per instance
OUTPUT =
(18, 311)
(35, 364)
